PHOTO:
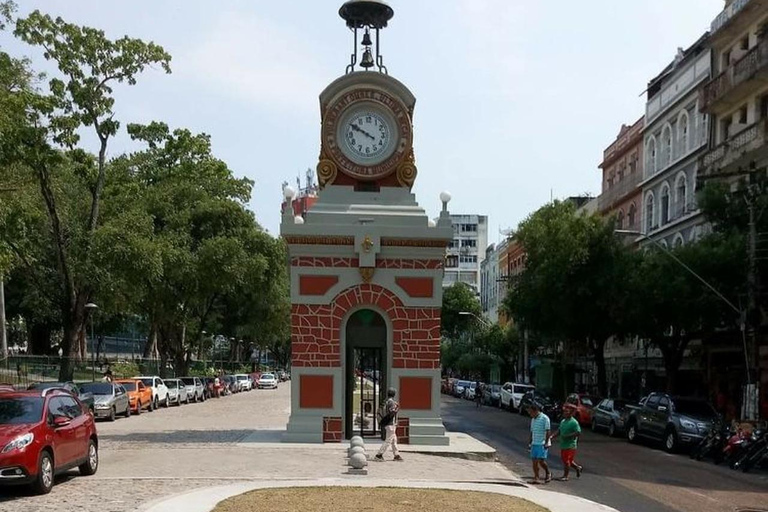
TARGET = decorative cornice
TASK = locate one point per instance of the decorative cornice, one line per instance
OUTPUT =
(319, 240)
(405, 242)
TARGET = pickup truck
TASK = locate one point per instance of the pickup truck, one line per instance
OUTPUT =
(673, 420)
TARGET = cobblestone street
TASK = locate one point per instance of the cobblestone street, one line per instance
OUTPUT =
(232, 439)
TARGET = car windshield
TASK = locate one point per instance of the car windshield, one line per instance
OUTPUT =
(268, 376)
(242, 377)
(585, 400)
(189, 381)
(16, 411)
(147, 382)
(129, 386)
(619, 404)
(694, 407)
(495, 388)
(171, 384)
(463, 383)
(521, 389)
(98, 388)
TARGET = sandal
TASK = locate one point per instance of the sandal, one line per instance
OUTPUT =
(579, 469)
(548, 478)
(562, 479)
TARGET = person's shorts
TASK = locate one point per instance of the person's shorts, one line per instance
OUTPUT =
(567, 454)
(538, 452)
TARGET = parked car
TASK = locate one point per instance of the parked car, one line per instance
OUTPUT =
(549, 404)
(159, 390)
(673, 420)
(139, 395)
(177, 392)
(242, 382)
(267, 381)
(110, 399)
(610, 414)
(195, 388)
(230, 384)
(512, 393)
(584, 405)
(208, 387)
(70, 387)
(7, 388)
(470, 391)
(492, 394)
(42, 434)
(459, 387)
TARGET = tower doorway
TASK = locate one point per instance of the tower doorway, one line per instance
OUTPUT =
(365, 372)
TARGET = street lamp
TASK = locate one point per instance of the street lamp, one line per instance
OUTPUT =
(91, 309)
(739, 311)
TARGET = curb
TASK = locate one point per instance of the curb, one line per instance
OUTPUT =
(205, 500)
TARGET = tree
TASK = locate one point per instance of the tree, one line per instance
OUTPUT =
(458, 298)
(71, 183)
(573, 287)
(671, 307)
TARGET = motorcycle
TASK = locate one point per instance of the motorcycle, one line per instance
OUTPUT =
(753, 452)
(712, 443)
(734, 441)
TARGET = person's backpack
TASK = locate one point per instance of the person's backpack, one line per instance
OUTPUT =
(384, 417)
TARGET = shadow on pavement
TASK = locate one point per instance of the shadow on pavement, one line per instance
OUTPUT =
(181, 437)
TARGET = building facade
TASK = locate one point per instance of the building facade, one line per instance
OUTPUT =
(736, 99)
(489, 284)
(466, 250)
(675, 136)
(622, 169)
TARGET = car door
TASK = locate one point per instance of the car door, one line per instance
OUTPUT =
(64, 437)
(162, 390)
(601, 412)
(660, 416)
(647, 416)
(122, 394)
(79, 425)
(506, 394)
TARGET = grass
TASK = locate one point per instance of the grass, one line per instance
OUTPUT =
(354, 499)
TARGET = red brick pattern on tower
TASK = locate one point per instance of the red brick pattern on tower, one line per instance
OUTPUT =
(331, 430)
(316, 329)
(329, 262)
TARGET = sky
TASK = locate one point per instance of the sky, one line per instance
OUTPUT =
(516, 101)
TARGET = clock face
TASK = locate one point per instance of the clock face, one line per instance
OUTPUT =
(367, 136)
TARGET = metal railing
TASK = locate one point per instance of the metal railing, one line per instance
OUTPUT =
(737, 73)
(619, 191)
(734, 145)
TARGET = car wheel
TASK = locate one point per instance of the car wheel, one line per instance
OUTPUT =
(112, 414)
(612, 429)
(594, 425)
(632, 433)
(128, 411)
(138, 408)
(166, 404)
(670, 441)
(44, 481)
(90, 466)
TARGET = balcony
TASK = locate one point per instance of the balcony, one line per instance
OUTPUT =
(609, 198)
(728, 87)
(737, 150)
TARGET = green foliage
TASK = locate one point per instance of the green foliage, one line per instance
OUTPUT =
(459, 298)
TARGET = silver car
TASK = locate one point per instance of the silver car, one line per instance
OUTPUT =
(195, 388)
(109, 399)
(177, 392)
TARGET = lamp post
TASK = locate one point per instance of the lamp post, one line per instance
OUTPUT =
(91, 309)
(737, 310)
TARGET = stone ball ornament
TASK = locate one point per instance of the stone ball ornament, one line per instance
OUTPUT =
(298, 219)
(356, 441)
(358, 461)
(431, 223)
(445, 196)
(289, 193)
(356, 449)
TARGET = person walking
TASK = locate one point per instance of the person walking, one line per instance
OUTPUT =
(388, 421)
(478, 394)
(539, 442)
(568, 432)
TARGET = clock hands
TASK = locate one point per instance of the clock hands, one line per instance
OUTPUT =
(358, 129)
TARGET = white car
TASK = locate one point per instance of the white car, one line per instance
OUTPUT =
(243, 382)
(469, 392)
(267, 381)
(195, 388)
(159, 390)
(512, 393)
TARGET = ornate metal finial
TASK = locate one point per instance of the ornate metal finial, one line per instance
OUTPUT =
(366, 15)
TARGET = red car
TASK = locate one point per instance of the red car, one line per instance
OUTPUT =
(43, 434)
(583, 407)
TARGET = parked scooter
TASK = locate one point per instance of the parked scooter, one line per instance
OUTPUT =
(732, 447)
(753, 451)
(713, 443)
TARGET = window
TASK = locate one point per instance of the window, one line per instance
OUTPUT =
(744, 43)
(764, 107)
(454, 243)
(469, 228)
(631, 216)
(664, 204)
(743, 115)
(649, 213)
(678, 241)
(703, 126)
(664, 402)
(682, 133)
(468, 259)
(469, 242)
(651, 156)
(620, 220)
(681, 194)
(666, 146)
(725, 129)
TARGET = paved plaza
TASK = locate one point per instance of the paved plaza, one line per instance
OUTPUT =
(220, 442)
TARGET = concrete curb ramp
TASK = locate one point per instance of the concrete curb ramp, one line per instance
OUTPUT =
(205, 500)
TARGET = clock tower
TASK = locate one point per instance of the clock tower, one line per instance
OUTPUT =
(366, 262)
